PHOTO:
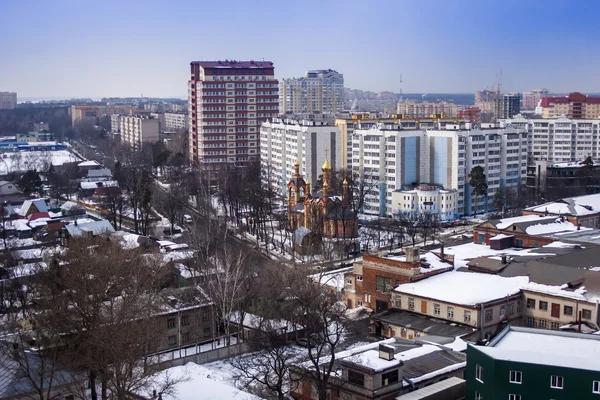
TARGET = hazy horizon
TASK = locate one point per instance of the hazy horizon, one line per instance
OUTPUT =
(70, 49)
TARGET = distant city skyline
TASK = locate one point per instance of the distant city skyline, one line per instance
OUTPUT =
(68, 49)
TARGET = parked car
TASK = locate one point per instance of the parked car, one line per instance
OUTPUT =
(187, 219)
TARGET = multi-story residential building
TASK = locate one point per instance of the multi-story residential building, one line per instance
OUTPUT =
(575, 106)
(560, 140)
(429, 199)
(174, 122)
(533, 98)
(393, 157)
(470, 114)
(424, 109)
(525, 363)
(93, 112)
(8, 100)
(136, 130)
(228, 101)
(552, 181)
(319, 91)
(485, 100)
(508, 105)
(285, 141)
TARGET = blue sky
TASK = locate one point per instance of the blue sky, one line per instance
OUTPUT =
(70, 48)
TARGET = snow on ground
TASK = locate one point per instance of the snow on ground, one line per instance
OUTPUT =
(450, 287)
(561, 245)
(39, 160)
(202, 383)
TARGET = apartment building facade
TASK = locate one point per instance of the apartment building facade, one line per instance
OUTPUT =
(8, 100)
(424, 109)
(394, 157)
(227, 103)
(508, 105)
(92, 112)
(319, 91)
(136, 130)
(561, 139)
(532, 99)
(284, 141)
(574, 106)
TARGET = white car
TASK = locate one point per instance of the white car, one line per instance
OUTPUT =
(187, 219)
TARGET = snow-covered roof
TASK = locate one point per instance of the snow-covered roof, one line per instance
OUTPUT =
(98, 183)
(501, 236)
(40, 204)
(450, 287)
(96, 228)
(558, 225)
(506, 222)
(370, 358)
(255, 322)
(545, 347)
(576, 206)
(334, 279)
(88, 163)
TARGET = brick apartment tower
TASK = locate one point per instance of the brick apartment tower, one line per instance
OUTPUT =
(228, 101)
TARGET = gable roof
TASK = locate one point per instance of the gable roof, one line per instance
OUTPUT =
(40, 204)
(96, 228)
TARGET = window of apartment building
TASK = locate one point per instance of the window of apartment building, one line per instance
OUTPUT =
(450, 312)
(467, 316)
(489, 315)
(411, 303)
(436, 309)
(172, 340)
(185, 320)
(530, 303)
(398, 301)
(510, 308)
(356, 378)
(389, 378)
(585, 313)
(360, 303)
(171, 323)
(384, 284)
(518, 306)
(478, 396)
(502, 312)
(206, 332)
(359, 278)
(479, 373)
(568, 310)
(417, 334)
(556, 382)
(543, 305)
(205, 316)
(542, 323)
(530, 321)
(514, 397)
(186, 337)
(555, 325)
(516, 377)
(596, 387)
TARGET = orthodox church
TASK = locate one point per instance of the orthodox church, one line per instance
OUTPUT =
(324, 213)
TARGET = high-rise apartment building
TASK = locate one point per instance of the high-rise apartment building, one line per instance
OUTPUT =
(394, 158)
(508, 105)
(228, 102)
(575, 106)
(485, 100)
(424, 109)
(8, 100)
(320, 91)
(532, 99)
(136, 130)
(470, 114)
(285, 141)
(560, 140)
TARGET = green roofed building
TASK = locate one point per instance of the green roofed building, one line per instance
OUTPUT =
(526, 363)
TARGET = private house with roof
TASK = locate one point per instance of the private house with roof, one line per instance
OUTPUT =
(8, 188)
(372, 281)
(382, 370)
(524, 363)
(323, 213)
(580, 211)
(526, 231)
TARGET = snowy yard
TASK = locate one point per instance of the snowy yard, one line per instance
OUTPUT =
(38, 160)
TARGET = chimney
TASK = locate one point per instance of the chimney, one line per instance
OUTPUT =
(386, 352)
(412, 254)
(442, 256)
(504, 259)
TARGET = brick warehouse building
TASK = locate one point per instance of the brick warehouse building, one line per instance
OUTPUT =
(228, 101)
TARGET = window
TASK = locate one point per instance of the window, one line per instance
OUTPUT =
(206, 332)
(568, 310)
(489, 315)
(542, 323)
(450, 312)
(436, 309)
(587, 314)
(556, 382)
(398, 301)
(389, 378)
(518, 306)
(479, 373)
(171, 323)
(384, 284)
(502, 312)
(359, 278)
(516, 377)
(530, 303)
(172, 340)
(510, 308)
(360, 303)
(467, 316)
(356, 378)
(478, 396)
(205, 316)
(186, 337)
(411, 303)
(596, 387)
(514, 397)
(185, 320)
(349, 281)
(530, 321)
(544, 305)
(555, 325)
